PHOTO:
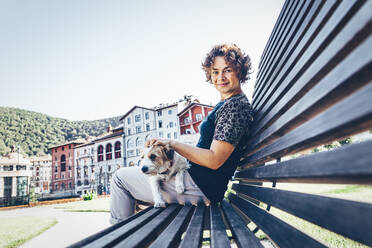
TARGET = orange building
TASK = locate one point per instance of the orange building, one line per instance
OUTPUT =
(63, 167)
(191, 117)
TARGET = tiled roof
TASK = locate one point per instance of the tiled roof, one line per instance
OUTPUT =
(193, 104)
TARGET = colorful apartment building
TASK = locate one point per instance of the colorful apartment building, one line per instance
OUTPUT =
(191, 117)
(63, 168)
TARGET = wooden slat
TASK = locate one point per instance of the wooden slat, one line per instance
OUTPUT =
(315, 20)
(171, 236)
(277, 33)
(148, 232)
(194, 233)
(291, 40)
(348, 218)
(334, 43)
(275, 30)
(219, 237)
(272, 56)
(348, 164)
(334, 22)
(241, 233)
(348, 117)
(98, 235)
(346, 78)
(277, 230)
(124, 231)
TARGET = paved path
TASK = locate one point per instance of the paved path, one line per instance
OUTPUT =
(71, 226)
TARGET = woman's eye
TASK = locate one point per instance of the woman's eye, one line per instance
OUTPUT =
(228, 70)
(214, 72)
(152, 156)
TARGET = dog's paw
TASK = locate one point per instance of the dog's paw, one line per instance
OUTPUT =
(159, 205)
(180, 189)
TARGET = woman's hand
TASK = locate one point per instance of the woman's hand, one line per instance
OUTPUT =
(155, 141)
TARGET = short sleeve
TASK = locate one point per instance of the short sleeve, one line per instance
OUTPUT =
(233, 121)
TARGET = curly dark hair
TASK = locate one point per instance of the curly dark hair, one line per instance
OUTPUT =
(234, 57)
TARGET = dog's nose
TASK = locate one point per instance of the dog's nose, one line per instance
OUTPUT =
(144, 169)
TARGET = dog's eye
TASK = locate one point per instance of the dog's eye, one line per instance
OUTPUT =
(152, 156)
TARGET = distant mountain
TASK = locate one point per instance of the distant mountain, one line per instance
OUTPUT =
(36, 132)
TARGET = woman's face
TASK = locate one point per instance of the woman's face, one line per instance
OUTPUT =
(224, 78)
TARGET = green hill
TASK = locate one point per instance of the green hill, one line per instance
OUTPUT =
(36, 132)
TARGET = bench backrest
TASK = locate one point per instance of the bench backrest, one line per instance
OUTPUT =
(313, 87)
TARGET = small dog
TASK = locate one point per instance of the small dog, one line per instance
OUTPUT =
(162, 163)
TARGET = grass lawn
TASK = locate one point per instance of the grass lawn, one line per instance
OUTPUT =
(95, 205)
(14, 231)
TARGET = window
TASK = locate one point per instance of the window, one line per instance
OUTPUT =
(85, 171)
(137, 118)
(161, 134)
(169, 112)
(130, 153)
(109, 167)
(130, 143)
(56, 186)
(63, 163)
(199, 117)
(175, 135)
(148, 137)
(117, 149)
(69, 146)
(55, 149)
(129, 131)
(138, 152)
(79, 183)
(147, 115)
(160, 113)
(100, 153)
(21, 186)
(8, 168)
(86, 182)
(139, 141)
(147, 127)
(70, 185)
(187, 120)
(108, 151)
(129, 120)
(160, 123)
(168, 135)
(138, 129)
(171, 124)
(139, 163)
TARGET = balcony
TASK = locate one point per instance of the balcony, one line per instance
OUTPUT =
(188, 122)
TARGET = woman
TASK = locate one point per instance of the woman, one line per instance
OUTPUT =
(216, 155)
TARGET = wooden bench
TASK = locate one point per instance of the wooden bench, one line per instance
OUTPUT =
(313, 87)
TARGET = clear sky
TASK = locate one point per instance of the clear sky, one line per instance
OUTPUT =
(94, 59)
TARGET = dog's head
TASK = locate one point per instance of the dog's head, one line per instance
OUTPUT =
(157, 159)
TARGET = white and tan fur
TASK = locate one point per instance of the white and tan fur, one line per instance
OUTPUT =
(162, 163)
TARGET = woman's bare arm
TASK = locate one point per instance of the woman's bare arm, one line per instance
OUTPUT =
(211, 158)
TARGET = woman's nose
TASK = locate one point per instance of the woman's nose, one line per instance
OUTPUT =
(220, 76)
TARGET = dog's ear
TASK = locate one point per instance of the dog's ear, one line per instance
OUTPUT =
(169, 152)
